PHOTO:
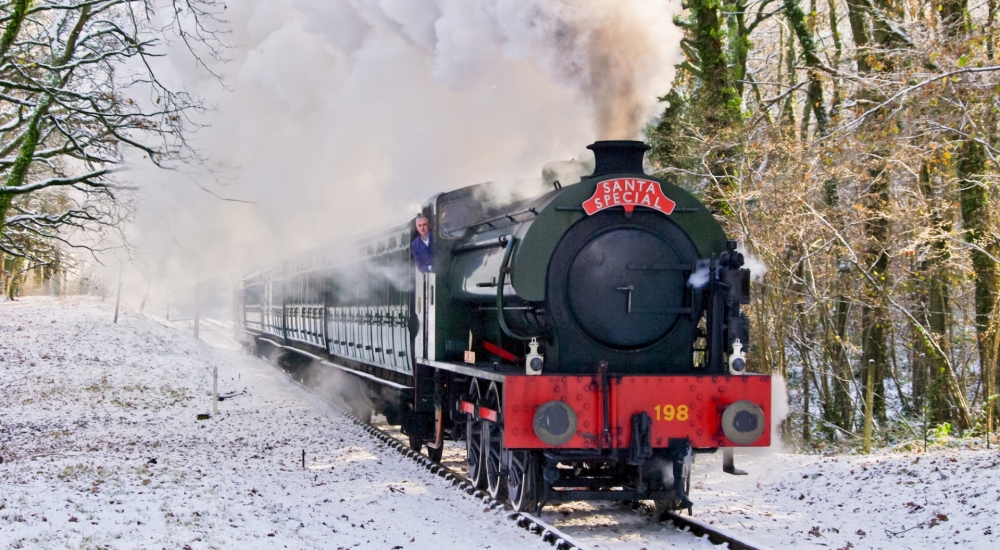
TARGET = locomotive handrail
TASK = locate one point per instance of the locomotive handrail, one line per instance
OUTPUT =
(508, 217)
(500, 286)
(488, 243)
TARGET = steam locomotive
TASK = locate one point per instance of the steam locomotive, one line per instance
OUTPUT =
(584, 343)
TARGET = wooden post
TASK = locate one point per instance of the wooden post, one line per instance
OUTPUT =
(869, 407)
(145, 296)
(989, 417)
(215, 390)
(118, 298)
(925, 425)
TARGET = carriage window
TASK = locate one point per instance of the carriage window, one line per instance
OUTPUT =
(253, 294)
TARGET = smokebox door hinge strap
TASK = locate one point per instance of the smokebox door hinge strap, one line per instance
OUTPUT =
(640, 447)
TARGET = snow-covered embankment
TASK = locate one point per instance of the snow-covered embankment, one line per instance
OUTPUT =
(101, 446)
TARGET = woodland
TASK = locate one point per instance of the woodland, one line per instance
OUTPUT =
(851, 146)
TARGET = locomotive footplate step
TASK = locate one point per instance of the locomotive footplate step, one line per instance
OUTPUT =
(729, 465)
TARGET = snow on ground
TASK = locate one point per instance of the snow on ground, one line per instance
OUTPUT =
(900, 501)
(101, 448)
(911, 500)
(87, 406)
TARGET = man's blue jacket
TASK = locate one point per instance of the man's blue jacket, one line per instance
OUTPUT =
(422, 255)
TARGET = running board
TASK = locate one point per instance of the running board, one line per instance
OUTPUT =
(348, 370)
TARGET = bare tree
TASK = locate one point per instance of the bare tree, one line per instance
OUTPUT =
(80, 97)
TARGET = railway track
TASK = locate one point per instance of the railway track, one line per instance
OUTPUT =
(544, 530)
(701, 528)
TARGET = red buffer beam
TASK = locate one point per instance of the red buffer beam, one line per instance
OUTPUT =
(692, 407)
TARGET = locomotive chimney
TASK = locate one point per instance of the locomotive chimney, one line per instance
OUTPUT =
(618, 156)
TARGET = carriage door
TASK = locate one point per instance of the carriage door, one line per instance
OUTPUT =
(424, 295)
(425, 312)
(427, 317)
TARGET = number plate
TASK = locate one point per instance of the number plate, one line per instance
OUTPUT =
(670, 413)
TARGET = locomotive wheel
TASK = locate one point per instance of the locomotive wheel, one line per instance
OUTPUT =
(522, 481)
(474, 442)
(496, 482)
(415, 443)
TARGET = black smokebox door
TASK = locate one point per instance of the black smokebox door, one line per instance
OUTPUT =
(622, 290)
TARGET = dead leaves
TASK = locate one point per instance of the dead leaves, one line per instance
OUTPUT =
(937, 520)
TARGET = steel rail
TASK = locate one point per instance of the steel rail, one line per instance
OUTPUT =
(714, 534)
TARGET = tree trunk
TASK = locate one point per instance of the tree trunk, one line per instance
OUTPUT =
(814, 95)
(18, 11)
(991, 14)
(920, 366)
(788, 110)
(954, 16)
(842, 414)
(718, 95)
(3, 274)
(976, 220)
(874, 314)
(933, 276)
(798, 292)
(15, 278)
(739, 44)
(718, 102)
(857, 14)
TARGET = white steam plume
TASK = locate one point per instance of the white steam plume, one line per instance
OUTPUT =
(345, 115)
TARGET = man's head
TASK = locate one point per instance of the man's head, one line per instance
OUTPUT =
(423, 226)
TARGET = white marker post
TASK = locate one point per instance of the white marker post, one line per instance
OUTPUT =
(197, 307)
(118, 297)
(215, 390)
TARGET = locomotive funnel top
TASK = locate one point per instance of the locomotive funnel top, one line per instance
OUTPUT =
(611, 157)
